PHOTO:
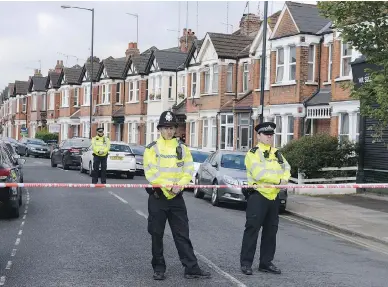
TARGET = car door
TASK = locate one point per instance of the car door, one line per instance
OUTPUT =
(206, 175)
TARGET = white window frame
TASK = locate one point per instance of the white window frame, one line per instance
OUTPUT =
(43, 103)
(130, 127)
(267, 73)
(170, 85)
(214, 132)
(207, 80)
(205, 136)
(291, 64)
(193, 134)
(240, 126)
(24, 104)
(278, 131)
(345, 57)
(227, 126)
(52, 101)
(288, 131)
(245, 85)
(194, 77)
(17, 106)
(87, 95)
(341, 134)
(34, 103)
(311, 64)
(118, 93)
(183, 84)
(229, 78)
(136, 89)
(280, 65)
(215, 78)
(76, 96)
(85, 129)
(330, 63)
(106, 92)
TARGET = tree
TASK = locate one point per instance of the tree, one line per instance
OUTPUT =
(364, 25)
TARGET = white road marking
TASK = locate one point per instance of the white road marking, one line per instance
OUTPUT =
(17, 241)
(22, 223)
(339, 235)
(2, 280)
(25, 211)
(9, 264)
(13, 252)
(20, 232)
(24, 217)
(208, 262)
(118, 197)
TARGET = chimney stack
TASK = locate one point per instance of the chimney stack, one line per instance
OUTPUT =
(37, 72)
(190, 36)
(58, 66)
(132, 50)
(250, 24)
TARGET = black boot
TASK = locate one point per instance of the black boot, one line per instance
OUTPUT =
(197, 274)
(159, 276)
(270, 268)
(246, 270)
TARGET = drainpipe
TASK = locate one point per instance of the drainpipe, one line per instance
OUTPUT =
(176, 86)
(319, 84)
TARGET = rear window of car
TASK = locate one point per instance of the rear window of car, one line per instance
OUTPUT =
(120, 148)
(37, 142)
(79, 143)
(138, 150)
(199, 156)
(233, 161)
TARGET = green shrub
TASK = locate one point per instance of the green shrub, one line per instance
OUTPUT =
(310, 154)
(46, 136)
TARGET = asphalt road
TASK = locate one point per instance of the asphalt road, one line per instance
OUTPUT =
(98, 237)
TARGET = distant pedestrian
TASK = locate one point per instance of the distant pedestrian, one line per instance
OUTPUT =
(168, 161)
(265, 165)
(100, 147)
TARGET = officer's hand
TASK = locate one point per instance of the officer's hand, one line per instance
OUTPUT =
(100, 152)
(283, 182)
(176, 190)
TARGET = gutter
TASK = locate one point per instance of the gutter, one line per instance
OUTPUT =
(318, 88)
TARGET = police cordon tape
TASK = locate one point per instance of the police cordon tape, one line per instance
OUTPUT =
(138, 185)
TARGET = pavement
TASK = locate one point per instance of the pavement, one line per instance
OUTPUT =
(98, 237)
(363, 215)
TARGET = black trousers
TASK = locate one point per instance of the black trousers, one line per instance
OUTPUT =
(260, 212)
(97, 161)
(174, 210)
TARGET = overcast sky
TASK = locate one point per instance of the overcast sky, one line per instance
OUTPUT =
(43, 31)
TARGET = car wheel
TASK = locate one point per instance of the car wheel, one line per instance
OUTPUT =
(52, 163)
(81, 169)
(197, 191)
(26, 153)
(130, 175)
(20, 198)
(215, 199)
(64, 165)
(14, 210)
(90, 169)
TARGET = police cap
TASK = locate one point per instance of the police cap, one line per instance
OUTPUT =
(167, 119)
(267, 128)
(100, 129)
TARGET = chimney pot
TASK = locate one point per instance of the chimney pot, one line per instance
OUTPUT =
(184, 31)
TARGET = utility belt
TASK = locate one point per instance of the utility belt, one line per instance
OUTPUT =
(248, 192)
(158, 193)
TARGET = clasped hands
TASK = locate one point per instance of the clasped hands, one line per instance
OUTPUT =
(283, 182)
(175, 190)
(100, 152)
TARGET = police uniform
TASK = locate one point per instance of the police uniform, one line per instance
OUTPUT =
(169, 162)
(100, 147)
(265, 165)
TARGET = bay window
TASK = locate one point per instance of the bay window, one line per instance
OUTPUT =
(346, 58)
(292, 63)
(343, 132)
(193, 84)
(330, 63)
(215, 79)
(279, 65)
(227, 130)
(229, 78)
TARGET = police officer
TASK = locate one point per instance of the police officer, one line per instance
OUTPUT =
(100, 147)
(265, 165)
(168, 161)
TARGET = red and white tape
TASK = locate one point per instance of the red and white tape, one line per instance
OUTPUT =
(132, 185)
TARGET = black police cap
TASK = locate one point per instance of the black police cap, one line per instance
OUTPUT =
(267, 128)
(100, 129)
(167, 119)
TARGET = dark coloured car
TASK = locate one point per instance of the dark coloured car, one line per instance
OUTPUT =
(14, 158)
(69, 152)
(12, 141)
(138, 150)
(10, 197)
(33, 147)
(226, 168)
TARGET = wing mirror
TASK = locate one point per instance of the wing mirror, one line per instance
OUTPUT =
(215, 165)
(21, 161)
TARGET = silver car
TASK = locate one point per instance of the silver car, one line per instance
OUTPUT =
(226, 168)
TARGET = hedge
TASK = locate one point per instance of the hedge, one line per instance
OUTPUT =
(47, 136)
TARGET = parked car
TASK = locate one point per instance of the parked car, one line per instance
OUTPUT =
(226, 168)
(10, 197)
(12, 141)
(33, 147)
(138, 150)
(14, 158)
(199, 157)
(121, 160)
(68, 152)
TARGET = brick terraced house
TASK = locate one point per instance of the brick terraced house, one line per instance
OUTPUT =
(212, 83)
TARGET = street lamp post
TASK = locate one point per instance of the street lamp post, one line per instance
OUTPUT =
(263, 60)
(91, 61)
(137, 26)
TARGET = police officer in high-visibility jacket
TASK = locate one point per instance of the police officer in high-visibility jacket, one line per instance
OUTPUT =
(168, 161)
(100, 147)
(265, 165)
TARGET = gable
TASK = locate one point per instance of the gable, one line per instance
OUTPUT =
(256, 47)
(64, 81)
(132, 70)
(286, 25)
(194, 58)
(155, 66)
(207, 52)
(104, 74)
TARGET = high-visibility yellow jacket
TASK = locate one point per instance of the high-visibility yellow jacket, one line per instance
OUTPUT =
(162, 167)
(261, 170)
(100, 144)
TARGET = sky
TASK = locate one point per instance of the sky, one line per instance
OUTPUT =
(41, 33)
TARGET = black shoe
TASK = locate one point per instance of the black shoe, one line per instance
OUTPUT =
(246, 270)
(270, 268)
(197, 274)
(159, 276)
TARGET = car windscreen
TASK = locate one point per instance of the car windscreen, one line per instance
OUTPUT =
(233, 161)
(11, 140)
(138, 150)
(37, 142)
(120, 148)
(199, 156)
(78, 143)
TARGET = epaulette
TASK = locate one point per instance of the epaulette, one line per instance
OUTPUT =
(151, 145)
(181, 142)
(254, 149)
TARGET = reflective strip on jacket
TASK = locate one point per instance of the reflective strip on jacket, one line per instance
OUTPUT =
(98, 144)
(162, 167)
(261, 170)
